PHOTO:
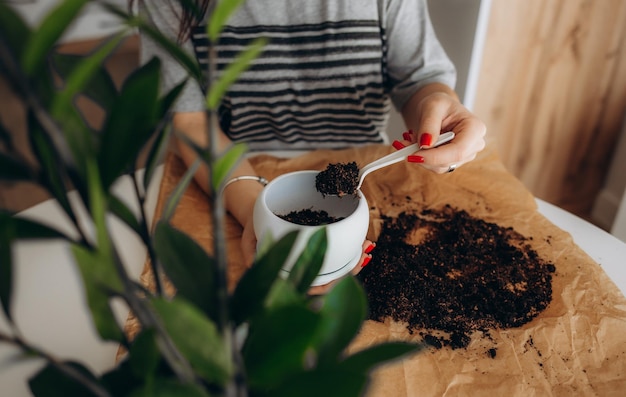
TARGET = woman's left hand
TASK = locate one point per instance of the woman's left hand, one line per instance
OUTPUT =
(368, 246)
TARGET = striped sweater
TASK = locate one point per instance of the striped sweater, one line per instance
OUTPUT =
(326, 79)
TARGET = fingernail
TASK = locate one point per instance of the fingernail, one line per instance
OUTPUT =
(415, 159)
(366, 260)
(426, 139)
(370, 248)
(398, 145)
(407, 135)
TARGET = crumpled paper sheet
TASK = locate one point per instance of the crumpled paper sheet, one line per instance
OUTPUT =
(576, 347)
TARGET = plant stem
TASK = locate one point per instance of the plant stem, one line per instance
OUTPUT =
(233, 388)
(145, 232)
(147, 318)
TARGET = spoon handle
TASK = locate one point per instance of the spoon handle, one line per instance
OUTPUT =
(399, 155)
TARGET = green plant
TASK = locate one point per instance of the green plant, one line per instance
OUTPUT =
(267, 338)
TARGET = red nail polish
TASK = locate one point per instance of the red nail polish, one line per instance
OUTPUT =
(366, 261)
(370, 248)
(426, 139)
(398, 145)
(415, 159)
(406, 136)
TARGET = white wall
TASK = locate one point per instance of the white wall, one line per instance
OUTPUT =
(609, 210)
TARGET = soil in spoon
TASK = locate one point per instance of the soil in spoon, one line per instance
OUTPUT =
(338, 179)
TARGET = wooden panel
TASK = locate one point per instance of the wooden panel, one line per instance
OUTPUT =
(552, 92)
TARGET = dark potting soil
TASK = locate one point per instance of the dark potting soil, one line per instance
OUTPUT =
(338, 179)
(466, 275)
(309, 217)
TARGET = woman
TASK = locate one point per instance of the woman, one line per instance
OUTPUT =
(327, 78)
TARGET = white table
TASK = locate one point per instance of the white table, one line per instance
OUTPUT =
(48, 296)
(604, 248)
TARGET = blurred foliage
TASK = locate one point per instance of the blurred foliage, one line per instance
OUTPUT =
(266, 338)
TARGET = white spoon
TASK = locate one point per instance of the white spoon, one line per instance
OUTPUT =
(399, 155)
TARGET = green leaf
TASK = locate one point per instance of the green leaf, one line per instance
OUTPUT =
(368, 359)
(14, 170)
(49, 32)
(6, 138)
(253, 287)
(197, 338)
(283, 293)
(168, 100)
(177, 193)
(309, 263)
(98, 267)
(343, 311)
(172, 48)
(327, 382)
(100, 282)
(7, 235)
(144, 355)
(100, 87)
(121, 210)
(277, 344)
(127, 132)
(232, 72)
(121, 379)
(168, 388)
(52, 167)
(52, 382)
(23, 228)
(193, 274)
(203, 154)
(98, 208)
(79, 137)
(155, 156)
(221, 14)
(13, 29)
(222, 167)
(82, 75)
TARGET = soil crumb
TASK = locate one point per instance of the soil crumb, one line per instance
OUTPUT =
(338, 179)
(465, 275)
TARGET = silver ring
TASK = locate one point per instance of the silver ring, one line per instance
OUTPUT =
(451, 168)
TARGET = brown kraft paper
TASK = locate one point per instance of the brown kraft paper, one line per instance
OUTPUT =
(575, 347)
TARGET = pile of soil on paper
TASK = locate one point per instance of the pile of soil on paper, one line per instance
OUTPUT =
(309, 217)
(338, 179)
(464, 275)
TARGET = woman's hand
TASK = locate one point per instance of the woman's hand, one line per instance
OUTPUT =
(435, 109)
(368, 246)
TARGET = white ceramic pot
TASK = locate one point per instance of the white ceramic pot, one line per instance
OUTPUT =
(296, 191)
